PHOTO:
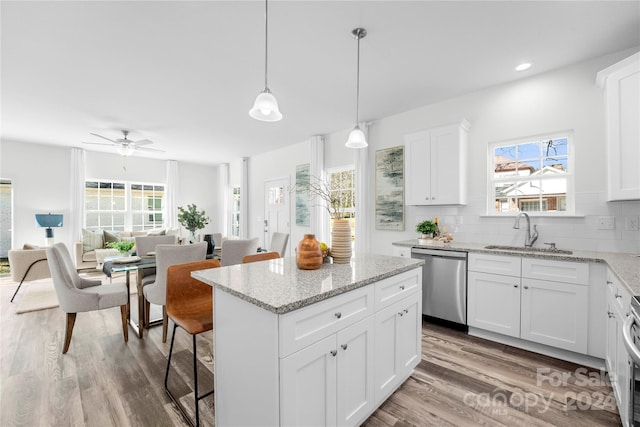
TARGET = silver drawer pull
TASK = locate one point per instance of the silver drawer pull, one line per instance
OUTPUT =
(401, 314)
(344, 346)
(333, 353)
(526, 287)
(515, 286)
(406, 311)
(338, 314)
(402, 287)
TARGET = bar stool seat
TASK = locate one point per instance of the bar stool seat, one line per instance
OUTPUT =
(189, 304)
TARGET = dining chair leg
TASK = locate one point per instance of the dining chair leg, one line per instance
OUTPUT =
(125, 327)
(165, 323)
(147, 309)
(71, 320)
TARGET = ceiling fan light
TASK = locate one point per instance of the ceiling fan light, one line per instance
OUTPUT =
(266, 107)
(356, 139)
(126, 149)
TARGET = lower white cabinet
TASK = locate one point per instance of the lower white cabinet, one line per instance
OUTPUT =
(398, 334)
(551, 311)
(494, 303)
(617, 359)
(330, 382)
(555, 314)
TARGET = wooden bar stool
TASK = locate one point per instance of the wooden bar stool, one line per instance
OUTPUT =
(190, 305)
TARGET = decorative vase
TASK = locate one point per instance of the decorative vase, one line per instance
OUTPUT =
(341, 241)
(193, 237)
(309, 254)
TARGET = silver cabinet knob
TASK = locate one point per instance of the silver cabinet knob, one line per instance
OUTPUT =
(338, 314)
(344, 346)
(401, 314)
(611, 315)
(333, 353)
(402, 287)
(515, 286)
(526, 287)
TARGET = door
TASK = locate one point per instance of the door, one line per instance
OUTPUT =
(308, 385)
(276, 208)
(555, 314)
(355, 391)
(494, 303)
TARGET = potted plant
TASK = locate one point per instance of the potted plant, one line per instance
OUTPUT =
(123, 247)
(426, 229)
(193, 220)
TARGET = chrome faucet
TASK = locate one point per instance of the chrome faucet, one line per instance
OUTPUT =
(529, 239)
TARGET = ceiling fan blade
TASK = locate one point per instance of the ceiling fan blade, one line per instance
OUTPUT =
(97, 143)
(149, 149)
(143, 142)
(103, 137)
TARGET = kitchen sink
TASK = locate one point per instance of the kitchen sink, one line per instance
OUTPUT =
(525, 249)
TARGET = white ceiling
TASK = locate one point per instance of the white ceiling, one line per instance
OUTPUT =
(184, 74)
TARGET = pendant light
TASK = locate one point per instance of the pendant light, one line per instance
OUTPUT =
(356, 137)
(266, 107)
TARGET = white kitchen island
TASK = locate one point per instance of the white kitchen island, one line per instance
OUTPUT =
(313, 347)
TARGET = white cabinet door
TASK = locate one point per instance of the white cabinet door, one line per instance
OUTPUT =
(555, 314)
(355, 391)
(448, 179)
(612, 344)
(308, 385)
(622, 85)
(436, 166)
(494, 303)
(398, 344)
(417, 160)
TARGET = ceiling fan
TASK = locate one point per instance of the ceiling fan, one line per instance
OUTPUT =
(125, 146)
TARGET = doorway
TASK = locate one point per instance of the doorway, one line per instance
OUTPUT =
(276, 208)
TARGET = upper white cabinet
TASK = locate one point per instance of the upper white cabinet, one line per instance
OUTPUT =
(621, 82)
(436, 165)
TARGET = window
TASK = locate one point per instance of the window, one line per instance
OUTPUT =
(235, 213)
(123, 206)
(342, 183)
(532, 175)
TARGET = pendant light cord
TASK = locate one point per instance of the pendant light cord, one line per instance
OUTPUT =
(266, 23)
(358, 79)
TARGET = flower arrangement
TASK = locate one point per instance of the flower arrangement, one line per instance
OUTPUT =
(192, 219)
(123, 246)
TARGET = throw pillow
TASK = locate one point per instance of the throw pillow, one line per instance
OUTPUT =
(28, 246)
(92, 240)
(160, 232)
(111, 237)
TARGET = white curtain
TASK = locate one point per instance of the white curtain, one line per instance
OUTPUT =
(223, 200)
(364, 211)
(244, 199)
(318, 218)
(76, 210)
(171, 195)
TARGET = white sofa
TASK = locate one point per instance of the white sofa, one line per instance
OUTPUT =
(85, 251)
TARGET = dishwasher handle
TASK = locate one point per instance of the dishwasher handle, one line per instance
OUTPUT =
(442, 253)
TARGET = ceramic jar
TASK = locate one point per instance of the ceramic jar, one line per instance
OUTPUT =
(309, 254)
(341, 241)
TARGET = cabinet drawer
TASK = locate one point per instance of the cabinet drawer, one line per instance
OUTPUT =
(307, 325)
(392, 289)
(494, 264)
(556, 271)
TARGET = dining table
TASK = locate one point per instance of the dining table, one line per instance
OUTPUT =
(136, 265)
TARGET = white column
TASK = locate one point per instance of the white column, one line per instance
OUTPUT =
(364, 212)
(171, 196)
(244, 199)
(318, 218)
(224, 201)
(76, 208)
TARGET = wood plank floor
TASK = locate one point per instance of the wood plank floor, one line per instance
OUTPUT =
(102, 381)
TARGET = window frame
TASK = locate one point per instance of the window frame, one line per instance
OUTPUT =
(569, 175)
(128, 212)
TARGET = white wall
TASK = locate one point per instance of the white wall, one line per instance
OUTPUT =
(40, 176)
(565, 99)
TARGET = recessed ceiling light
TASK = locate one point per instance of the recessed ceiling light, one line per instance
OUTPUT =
(524, 66)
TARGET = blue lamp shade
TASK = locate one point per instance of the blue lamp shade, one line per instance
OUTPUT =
(49, 221)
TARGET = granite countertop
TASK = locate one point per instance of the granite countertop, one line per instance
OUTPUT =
(280, 287)
(625, 266)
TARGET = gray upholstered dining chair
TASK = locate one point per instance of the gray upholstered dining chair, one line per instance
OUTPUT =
(166, 256)
(279, 242)
(146, 245)
(77, 294)
(233, 250)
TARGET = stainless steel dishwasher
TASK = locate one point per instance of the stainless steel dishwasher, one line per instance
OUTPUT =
(444, 284)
